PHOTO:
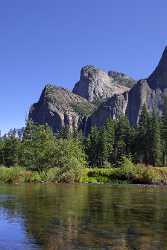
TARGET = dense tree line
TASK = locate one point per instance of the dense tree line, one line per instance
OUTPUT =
(37, 148)
(145, 143)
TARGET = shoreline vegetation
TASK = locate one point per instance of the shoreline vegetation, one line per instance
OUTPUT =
(116, 153)
(128, 173)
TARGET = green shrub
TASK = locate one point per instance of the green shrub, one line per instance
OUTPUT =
(13, 174)
(52, 175)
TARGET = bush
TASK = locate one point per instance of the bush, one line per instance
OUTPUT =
(13, 174)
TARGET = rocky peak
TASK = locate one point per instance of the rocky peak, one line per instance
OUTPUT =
(158, 79)
(113, 107)
(121, 79)
(96, 84)
(59, 107)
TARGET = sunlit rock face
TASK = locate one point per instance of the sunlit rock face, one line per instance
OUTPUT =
(100, 95)
(121, 79)
(59, 107)
(96, 84)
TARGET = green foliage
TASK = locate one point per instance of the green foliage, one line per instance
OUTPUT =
(37, 147)
(107, 141)
(83, 108)
(40, 149)
(122, 138)
(65, 133)
(137, 174)
(155, 140)
(148, 140)
(13, 174)
(62, 158)
(10, 146)
(163, 126)
(93, 147)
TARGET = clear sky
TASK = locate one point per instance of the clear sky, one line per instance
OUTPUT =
(48, 41)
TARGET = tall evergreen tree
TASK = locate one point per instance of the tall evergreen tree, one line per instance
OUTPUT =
(143, 137)
(107, 141)
(122, 138)
(93, 147)
(10, 150)
(154, 140)
(37, 146)
(164, 132)
(1, 151)
(65, 133)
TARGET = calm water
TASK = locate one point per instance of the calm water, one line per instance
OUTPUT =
(83, 217)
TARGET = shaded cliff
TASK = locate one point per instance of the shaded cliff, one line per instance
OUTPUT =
(113, 107)
(150, 92)
(99, 95)
(59, 107)
(158, 79)
(141, 94)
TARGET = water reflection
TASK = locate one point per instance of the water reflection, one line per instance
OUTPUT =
(65, 217)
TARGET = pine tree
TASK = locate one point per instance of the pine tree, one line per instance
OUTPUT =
(164, 132)
(65, 133)
(142, 141)
(122, 138)
(1, 151)
(154, 140)
(94, 147)
(11, 149)
(37, 147)
(107, 141)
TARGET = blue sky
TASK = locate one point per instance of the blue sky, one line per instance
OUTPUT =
(48, 41)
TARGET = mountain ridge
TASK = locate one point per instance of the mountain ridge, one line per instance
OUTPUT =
(99, 95)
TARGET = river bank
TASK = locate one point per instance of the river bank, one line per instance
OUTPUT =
(133, 174)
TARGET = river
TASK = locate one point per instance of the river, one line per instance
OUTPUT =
(91, 217)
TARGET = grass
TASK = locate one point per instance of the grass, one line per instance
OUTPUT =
(19, 174)
(138, 174)
(126, 173)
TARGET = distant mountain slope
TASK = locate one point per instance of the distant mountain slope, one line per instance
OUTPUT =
(95, 84)
(59, 107)
(121, 79)
(99, 95)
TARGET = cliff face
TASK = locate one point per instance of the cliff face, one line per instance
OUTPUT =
(158, 79)
(121, 79)
(95, 84)
(59, 107)
(99, 95)
(113, 107)
(150, 92)
(141, 94)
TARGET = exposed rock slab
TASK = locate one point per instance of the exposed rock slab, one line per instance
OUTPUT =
(149, 92)
(141, 94)
(158, 79)
(96, 84)
(113, 107)
(59, 107)
(121, 79)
